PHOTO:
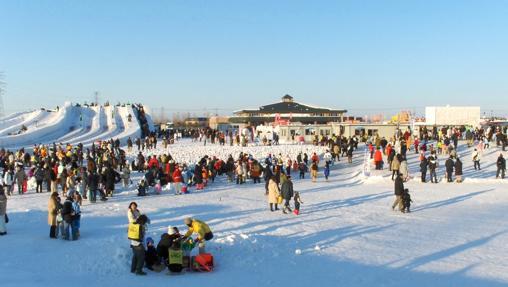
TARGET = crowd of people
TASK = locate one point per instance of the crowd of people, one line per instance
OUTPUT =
(71, 174)
(429, 148)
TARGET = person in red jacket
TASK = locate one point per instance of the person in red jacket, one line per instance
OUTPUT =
(417, 145)
(153, 163)
(177, 180)
(378, 159)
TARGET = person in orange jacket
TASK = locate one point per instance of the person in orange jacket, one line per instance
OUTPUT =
(378, 159)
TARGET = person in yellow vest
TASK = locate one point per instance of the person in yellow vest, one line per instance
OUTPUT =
(201, 229)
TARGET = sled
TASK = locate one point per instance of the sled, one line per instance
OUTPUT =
(202, 263)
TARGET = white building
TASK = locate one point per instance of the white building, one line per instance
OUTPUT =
(452, 116)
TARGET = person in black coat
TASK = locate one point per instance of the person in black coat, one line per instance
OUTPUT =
(166, 242)
(109, 177)
(399, 190)
(423, 168)
(68, 217)
(198, 175)
(458, 170)
(501, 166)
(287, 193)
(449, 164)
(267, 174)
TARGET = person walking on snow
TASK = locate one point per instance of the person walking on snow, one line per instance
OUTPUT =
(287, 193)
(399, 191)
(476, 159)
(501, 166)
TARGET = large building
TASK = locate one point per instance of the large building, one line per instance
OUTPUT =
(287, 111)
(452, 116)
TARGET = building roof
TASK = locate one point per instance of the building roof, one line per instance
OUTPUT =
(289, 106)
(296, 119)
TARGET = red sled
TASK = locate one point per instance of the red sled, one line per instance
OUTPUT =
(296, 212)
(184, 189)
(200, 186)
(202, 263)
(25, 186)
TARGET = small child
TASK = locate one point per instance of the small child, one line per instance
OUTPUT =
(327, 171)
(406, 201)
(142, 186)
(151, 258)
(298, 201)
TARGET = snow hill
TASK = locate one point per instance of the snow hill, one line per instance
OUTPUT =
(70, 124)
(346, 235)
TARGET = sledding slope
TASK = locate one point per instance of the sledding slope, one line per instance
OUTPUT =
(346, 235)
(70, 124)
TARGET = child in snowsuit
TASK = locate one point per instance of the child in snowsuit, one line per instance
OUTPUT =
(142, 186)
(298, 201)
(406, 201)
(151, 258)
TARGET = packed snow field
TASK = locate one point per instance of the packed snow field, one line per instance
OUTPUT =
(346, 234)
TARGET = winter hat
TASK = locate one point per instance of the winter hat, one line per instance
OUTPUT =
(187, 221)
(171, 230)
(149, 240)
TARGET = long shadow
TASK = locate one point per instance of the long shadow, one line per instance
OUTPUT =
(320, 207)
(420, 261)
(451, 201)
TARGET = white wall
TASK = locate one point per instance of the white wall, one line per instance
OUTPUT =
(452, 115)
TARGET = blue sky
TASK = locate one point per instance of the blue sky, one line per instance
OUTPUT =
(363, 56)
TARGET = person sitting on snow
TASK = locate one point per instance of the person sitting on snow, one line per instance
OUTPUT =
(142, 187)
(201, 229)
(152, 261)
(167, 240)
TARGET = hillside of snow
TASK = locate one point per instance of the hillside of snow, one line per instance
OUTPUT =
(69, 124)
(346, 234)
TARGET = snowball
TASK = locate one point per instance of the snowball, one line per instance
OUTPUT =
(298, 252)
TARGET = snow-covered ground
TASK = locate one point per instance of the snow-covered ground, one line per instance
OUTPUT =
(70, 124)
(346, 235)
